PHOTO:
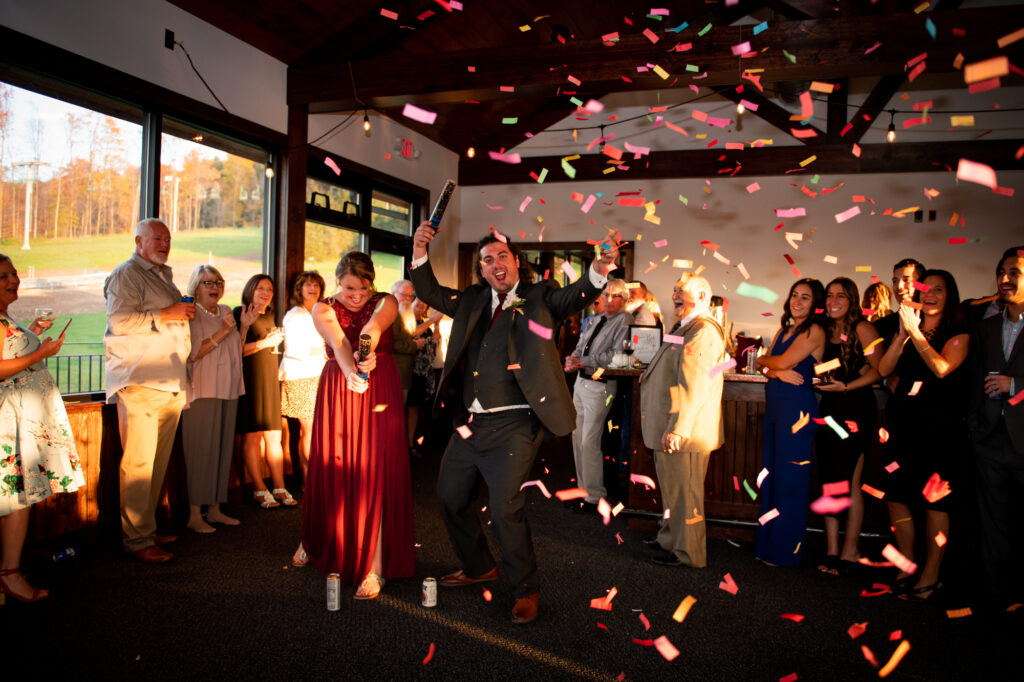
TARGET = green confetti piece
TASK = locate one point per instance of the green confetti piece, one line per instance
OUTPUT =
(761, 28)
(790, 57)
(753, 291)
(656, 17)
(542, 176)
(704, 30)
(608, 399)
(686, 202)
(679, 28)
(576, 101)
(692, 68)
(569, 170)
(512, 120)
(750, 491)
(814, 180)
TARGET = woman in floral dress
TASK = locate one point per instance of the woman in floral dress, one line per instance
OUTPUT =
(37, 450)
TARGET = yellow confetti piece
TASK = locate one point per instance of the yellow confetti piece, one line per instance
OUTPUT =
(821, 367)
(801, 422)
(524, 28)
(611, 169)
(863, 268)
(680, 263)
(379, 408)
(897, 656)
(818, 86)
(661, 72)
(958, 61)
(808, 160)
(961, 121)
(699, 270)
(683, 608)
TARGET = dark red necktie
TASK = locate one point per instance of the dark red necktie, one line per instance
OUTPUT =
(497, 311)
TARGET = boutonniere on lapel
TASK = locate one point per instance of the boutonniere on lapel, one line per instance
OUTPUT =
(514, 303)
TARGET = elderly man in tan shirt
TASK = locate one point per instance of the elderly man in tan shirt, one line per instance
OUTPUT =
(147, 348)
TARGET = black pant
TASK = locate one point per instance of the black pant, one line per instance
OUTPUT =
(499, 451)
(1000, 484)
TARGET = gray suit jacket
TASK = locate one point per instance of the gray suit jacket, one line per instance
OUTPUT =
(609, 340)
(986, 412)
(678, 392)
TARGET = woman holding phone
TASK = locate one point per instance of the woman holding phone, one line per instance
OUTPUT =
(37, 450)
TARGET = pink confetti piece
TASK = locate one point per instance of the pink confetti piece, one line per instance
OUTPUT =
(673, 338)
(976, 172)
(790, 212)
(897, 558)
(868, 655)
(728, 364)
(806, 105)
(873, 48)
(651, 35)
(660, 243)
(792, 677)
(430, 652)
(768, 516)
(753, 187)
(837, 488)
(646, 623)
(505, 158)
(388, 14)
(610, 37)
(892, 466)
(747, 104)
(526, 202)
(464, 431)
(539, 329)
(588, 204)
(604, 603)
(736, 483)
(665, 648)
(741, 48)
(940, 539)
(619, 538)
(571, 494)
(642, 480)
(719, 122)
(830, 506)
(802, 133)
(422, 115)
(605, 510)
(728, 584)
(539, 485)
(743, 270)
(329, 162)
(569, 271)
(847, 214)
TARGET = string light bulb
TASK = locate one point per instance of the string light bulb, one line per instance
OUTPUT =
(270, 172)
(891, 135)
(366, 120)
(471, 152)
(740, 108)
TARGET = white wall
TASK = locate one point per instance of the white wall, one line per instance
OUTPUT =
(128, 35)
(743, 225)
(434, 166)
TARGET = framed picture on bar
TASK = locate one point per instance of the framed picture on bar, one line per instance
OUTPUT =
(646, 340)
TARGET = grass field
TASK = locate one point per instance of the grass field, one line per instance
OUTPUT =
(105, 252)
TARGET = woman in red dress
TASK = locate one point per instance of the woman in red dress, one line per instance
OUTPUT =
(357, 509)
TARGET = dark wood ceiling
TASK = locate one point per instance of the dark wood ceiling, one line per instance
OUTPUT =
(489, 62)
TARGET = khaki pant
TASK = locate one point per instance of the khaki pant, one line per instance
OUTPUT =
(147, 419)
(681, 475)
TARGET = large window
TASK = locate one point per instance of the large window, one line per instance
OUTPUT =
(71, 192)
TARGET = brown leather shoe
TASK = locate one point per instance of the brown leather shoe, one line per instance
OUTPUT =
(460, 579)
(164, 539)
(525, 609)
(152, 555)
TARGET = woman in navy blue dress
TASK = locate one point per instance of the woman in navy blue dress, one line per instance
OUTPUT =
(789, 399)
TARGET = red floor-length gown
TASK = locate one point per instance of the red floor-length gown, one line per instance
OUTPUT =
(359, 466)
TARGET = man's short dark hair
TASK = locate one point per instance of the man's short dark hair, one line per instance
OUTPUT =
(911, 263)
(1012, 252)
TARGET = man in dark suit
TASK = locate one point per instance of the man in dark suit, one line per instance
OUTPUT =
(513, 388)
(997, 428)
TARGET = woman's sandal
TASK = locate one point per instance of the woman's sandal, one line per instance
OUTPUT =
(265, 499)
(830, 565)
(284, 497)
(364, 591)
(915, 595)
(300, 558)
(5, 589)
(901, 586)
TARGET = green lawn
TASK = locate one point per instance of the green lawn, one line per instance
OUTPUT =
(106, 251)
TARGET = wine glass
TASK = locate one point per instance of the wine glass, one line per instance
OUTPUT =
(273, 331)
(627, 348)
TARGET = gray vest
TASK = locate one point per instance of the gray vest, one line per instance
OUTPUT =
(487, 376)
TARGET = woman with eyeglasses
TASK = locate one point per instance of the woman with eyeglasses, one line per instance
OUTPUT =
(208, 420)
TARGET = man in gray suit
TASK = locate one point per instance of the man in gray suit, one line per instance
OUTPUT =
(590, 395)
(513, 388)
(997, 429)
(681, 404)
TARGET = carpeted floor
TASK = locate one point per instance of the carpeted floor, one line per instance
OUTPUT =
(230, 606)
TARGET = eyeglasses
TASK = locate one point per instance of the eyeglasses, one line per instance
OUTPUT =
(212, 282)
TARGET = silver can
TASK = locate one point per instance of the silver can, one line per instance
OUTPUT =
(995, 396)
(429, 592)
(333, 592)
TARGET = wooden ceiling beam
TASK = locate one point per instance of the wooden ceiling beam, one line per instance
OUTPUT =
(765, 161)
(824, 49)
(772, 113)
(884, 90)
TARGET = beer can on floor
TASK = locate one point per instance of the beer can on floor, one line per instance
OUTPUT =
(333, 592)
(429, 592)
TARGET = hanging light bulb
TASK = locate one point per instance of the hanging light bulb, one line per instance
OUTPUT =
(366, 120)
(891, 135)
(740, 108)
(471, 152)
(270, 171)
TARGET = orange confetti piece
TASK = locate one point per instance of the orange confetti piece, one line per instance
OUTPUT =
(604, 603)
(801, 422)
(571, 494)
(874, 492)
(940, 539)
(665, 648)
(959, 613)
(935, 489)
(867, 653)
(795, 617)
(883, 435)
(487, 595)
(430, 654)
(856, 630)
(894, 661)
(728, 584)
(683, 609)
(646, 623)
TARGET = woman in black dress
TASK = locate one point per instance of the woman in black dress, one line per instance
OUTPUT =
(259, 408)
(850, 400)
(925, 421)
